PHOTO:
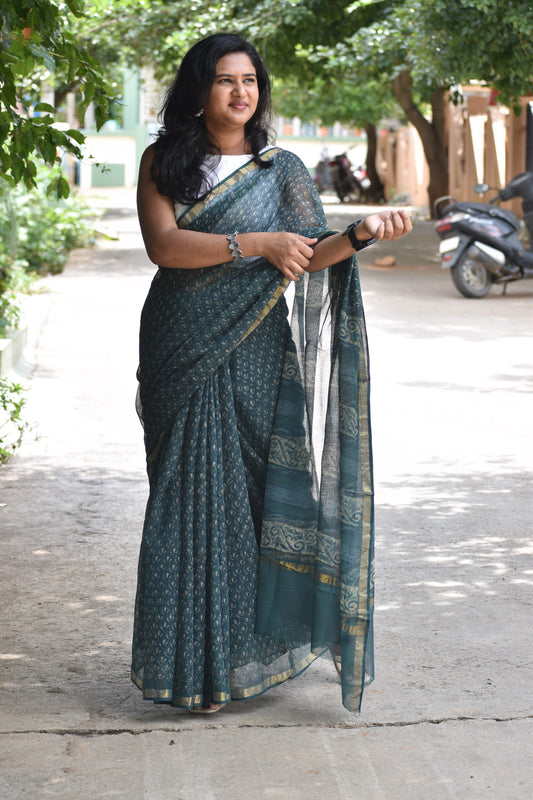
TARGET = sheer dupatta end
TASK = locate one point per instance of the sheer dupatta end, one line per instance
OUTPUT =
(316, 566)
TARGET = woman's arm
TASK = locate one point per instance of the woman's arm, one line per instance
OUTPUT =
(169, 246)
(385, 226)
(165, 243)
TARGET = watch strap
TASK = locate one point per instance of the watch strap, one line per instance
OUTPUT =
(356, 243)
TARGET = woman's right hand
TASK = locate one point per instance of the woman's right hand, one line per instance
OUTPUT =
(288, 252)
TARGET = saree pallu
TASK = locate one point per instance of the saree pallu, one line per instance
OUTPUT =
(257, 548)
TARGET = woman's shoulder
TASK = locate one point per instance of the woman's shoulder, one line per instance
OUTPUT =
(288, 161)
(283, 155)
(148, 154)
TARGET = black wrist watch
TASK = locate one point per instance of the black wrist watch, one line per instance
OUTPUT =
(356, 243)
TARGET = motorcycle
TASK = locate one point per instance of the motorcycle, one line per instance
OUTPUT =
(337, 174)
(480, 242)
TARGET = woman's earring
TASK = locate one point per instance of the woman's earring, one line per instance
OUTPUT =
(199, 114)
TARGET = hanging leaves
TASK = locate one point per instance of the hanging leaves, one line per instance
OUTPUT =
(38, 45)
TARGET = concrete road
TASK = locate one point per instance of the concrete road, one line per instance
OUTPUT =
(449, 715)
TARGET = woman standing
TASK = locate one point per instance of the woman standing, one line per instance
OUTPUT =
(257, 547)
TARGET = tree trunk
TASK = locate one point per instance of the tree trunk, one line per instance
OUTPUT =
(375, 192)
(431, 133)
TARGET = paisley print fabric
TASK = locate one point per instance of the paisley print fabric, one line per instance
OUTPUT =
(257, 548)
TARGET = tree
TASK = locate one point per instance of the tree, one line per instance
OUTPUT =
(427, 50)
(333, 98)
(158, 34)
(154, 33)
(38, 46)
(416, 51)
(420, 50)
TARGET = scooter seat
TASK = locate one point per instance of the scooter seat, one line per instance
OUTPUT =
(468, 207)
(508, 216)
(492, 211)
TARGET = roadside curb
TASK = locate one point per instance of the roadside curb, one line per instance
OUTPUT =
(18, 350)
(11, 349)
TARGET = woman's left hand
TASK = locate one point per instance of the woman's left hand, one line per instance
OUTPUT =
(385, 226)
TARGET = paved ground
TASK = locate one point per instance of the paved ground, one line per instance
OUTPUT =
(449, 715)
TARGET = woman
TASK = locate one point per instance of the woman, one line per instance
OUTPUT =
(256, 554)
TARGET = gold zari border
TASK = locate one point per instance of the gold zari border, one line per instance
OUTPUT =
(226, 697)
(224, 185)
(320, 576)
(166, 694)
(267, 309)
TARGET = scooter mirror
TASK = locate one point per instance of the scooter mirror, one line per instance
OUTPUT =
(481, 188)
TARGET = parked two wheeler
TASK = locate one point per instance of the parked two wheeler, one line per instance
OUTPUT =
(337, 174)
(480, 241)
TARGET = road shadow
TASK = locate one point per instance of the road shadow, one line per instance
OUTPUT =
(453, 583)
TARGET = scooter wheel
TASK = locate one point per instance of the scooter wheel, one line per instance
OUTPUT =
(471, 278)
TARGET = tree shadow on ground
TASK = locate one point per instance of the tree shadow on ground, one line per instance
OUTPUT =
(451, 556)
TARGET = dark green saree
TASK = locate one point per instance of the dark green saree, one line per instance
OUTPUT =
(257, 549)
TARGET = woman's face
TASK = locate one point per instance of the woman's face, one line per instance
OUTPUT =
(234, 94)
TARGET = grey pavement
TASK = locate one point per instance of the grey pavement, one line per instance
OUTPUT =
(450, 712)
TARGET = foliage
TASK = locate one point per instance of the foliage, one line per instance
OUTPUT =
(417, 50)
(445, 43)
(48, 229)
(334, 98)
(441, 43)
(486, 40)
(37, 231)
(13, 280)
(38, 46)
(352, 57)
(12, 424)
(150, 32)
(425, 50)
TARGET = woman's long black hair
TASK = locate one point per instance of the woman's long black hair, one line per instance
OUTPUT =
(182, 142)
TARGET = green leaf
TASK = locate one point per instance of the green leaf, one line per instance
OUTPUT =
(4, 131)
(58, 137)
(76, 135)
(47, 148)
(76, 6)
(52, 187)
(63, 187)
(45, 107)
(8, 92)
(17, 168)
(43, 55)
(25, 67)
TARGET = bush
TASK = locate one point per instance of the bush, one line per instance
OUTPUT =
(37, 232)
(14, 280)
(41, 229)
(48, 229)
(12, 425)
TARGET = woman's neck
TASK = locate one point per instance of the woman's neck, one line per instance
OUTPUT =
(230, 143)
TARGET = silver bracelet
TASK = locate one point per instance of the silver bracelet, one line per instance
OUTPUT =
(234, 247)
